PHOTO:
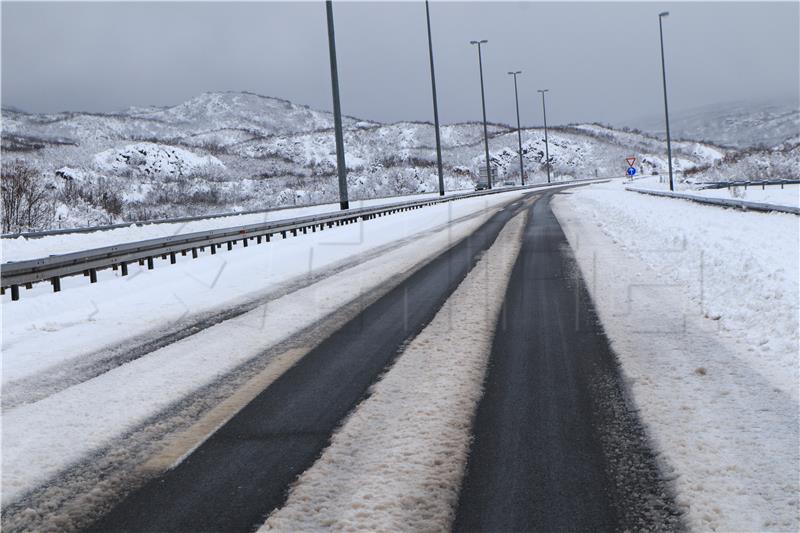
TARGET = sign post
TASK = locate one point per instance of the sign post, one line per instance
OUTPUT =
(631, 169)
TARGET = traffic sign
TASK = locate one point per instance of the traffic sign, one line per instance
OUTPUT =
(631, 161)
(631, 171)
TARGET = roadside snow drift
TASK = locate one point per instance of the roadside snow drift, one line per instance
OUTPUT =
(701, 306)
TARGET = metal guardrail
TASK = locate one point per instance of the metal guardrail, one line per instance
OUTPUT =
(723, 202)
(156, 221)
(16, 274)
(745, 184)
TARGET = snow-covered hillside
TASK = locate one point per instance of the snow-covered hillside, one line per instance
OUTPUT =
(223, 152)
(737, 124)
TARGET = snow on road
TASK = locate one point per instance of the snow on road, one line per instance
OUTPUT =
(398, 460)
(701, 306)
(42, 438)
(20, 248)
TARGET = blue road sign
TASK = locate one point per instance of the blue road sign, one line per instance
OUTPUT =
(631, 171)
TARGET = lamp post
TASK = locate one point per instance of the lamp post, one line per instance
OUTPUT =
(483, 104)
(666, 109)
(337, 113)
(519, 130)
(546, 147)
(435, 106)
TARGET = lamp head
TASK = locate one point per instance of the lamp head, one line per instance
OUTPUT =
(664, 14)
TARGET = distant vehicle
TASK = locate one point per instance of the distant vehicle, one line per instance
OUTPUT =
(508, 184)
(482, 186)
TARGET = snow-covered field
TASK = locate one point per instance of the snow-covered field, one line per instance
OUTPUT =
(48, 426)
(397, 462)
(701, 306)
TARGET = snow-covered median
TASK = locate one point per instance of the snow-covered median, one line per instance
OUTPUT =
(701, 306)
(397, 462)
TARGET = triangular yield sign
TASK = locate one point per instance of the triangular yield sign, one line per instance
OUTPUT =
(630, 160)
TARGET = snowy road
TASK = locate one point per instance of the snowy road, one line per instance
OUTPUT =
(241, 473)
(449, 371)
(555, 446)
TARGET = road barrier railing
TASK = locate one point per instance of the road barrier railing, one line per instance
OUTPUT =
(16, 274)
(722, 202)
(745, 184)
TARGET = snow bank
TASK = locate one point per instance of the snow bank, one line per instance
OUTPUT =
(397, 462)
(701, 306)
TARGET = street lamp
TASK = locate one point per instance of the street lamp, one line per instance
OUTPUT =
(435, 106)
(483, 104)
(546, 148)
(666, 109)
(337, 113)
(519, 130)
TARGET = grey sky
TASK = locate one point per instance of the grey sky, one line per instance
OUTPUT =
(600, 60)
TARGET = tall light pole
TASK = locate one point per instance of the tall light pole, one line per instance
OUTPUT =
(546, 147)
(435, 105)
(337, 112)
(519, 130)
(483, 104)
(666, 109)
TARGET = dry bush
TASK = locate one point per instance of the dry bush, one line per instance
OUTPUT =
(26, 200)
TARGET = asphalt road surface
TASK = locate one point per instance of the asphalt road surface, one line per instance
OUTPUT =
(556, 447)
(242, 472)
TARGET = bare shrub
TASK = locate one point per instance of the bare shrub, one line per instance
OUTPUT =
(26, 200)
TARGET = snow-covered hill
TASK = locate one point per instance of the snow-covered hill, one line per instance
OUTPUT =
(232, 151)
(736, 125)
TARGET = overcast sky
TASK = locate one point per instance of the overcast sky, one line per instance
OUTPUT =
(600, 60)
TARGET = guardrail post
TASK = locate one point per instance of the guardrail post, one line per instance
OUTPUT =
(14, 293)
(172, 258)
(294, 232)
(29, 285)
(124, 268)
(56, 281)
(149, 263)
(258, 239)
(283, 234)
(141, 262)
(114, 267)
(267, 237)
(230, 245)
(183, 253)
(194, 253)
(93, 275)
(244, 242)
(213, 248)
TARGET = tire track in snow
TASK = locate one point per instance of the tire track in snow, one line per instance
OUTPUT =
(283, 430)
(397, 461)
